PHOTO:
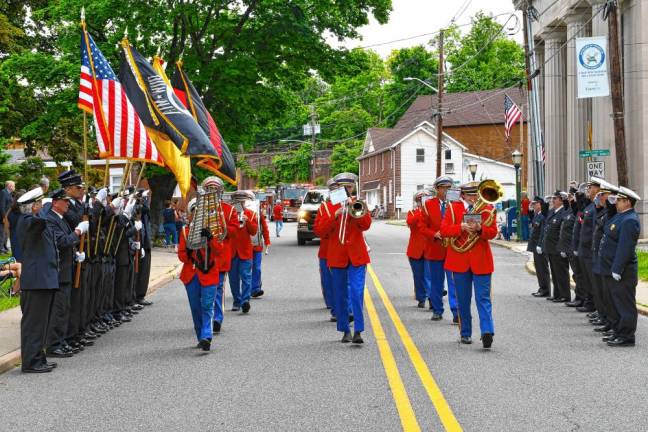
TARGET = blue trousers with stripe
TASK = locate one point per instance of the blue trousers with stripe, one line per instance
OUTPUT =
(435, 276)
(452, 292)
(348, 286)
(464, 283)
(201, 303)
(327, 284)
(420, 279)
(256, 272)
(218, 299)
(240, 279)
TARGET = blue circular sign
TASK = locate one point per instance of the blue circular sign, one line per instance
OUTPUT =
(591, 56)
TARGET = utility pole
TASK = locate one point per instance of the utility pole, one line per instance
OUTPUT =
(617, 92)
(439, 116)
(313, 125)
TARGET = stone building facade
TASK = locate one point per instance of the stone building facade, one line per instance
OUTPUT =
(566, 118)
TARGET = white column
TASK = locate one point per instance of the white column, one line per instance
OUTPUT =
(578, 110)
(555, 112)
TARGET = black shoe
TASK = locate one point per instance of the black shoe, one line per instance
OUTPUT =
(357, 338)
(144, 302)
(333, 319)
(437, 317)
(59, 353)
(455, 320)
(246, 307)
(560, 300)
(608, 338)
(38, 369)
(52, 365)
(487, 340)
(603, 329)
(585, 308)
(621, 342)
(86, 342)
(593, 314)
(346, 338)
(236, 308)
(610, 332)
(205, 345)
(89, 335)
(540, 294)
(574, 304)
(421, 304)
(137, 307)
(71, 349)
(466, 340)
(257, 294)
(598, 322)
(550, 298)
(350, 318)
(126, 318)
(217, 327)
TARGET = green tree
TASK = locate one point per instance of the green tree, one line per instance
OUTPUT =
(343, 158)
(293, 166)
(484, 58)
(29, 173)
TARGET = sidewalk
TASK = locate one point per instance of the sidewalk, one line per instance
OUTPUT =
(642, 287)
(164, 268)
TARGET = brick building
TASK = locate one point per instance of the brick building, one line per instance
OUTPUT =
(396, 162)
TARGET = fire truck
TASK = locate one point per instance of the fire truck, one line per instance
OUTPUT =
(290, 196)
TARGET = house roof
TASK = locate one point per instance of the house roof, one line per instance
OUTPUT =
(382, 138)
(371, 185)
(463, 109)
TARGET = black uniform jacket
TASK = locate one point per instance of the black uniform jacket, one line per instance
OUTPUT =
(552, 231)
(618, 245)
(40, 255)
(537, 225)
(65, 240)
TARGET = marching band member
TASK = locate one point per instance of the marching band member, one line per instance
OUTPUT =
(257, 284)
(473, 266)
(224, 264)
(435, 251)
(347, 258)
(241, 268)
(416, 248)
(200, 275)
(619, 266)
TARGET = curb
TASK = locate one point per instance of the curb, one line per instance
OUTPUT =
(641, 308)
(396, 222)
(12, 359)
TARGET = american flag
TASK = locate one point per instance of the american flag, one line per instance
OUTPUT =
(120, 132)
(512, 115)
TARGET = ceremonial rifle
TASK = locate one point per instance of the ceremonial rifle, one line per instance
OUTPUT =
(77, 277)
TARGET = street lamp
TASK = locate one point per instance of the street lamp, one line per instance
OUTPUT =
(425, 83)
(473, 169)
(517, 162)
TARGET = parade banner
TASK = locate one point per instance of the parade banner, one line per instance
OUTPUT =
(591, 67)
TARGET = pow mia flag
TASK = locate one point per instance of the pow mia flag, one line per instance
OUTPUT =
(161, 109)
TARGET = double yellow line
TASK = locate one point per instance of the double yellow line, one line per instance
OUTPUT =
(399, 393)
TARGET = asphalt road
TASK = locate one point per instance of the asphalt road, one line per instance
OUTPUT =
(282, 368)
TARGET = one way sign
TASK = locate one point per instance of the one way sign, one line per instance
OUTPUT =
(596, 169)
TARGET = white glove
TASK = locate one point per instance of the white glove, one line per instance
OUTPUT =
(267, 250)
(136, 245)
(143, 253)
(101, 195)
(80, 257)
(563, 254)
(128, 211)
(145, 193)
(575, 253)
(617, 277)
(83, 227)
(138, 225)
(538, 250)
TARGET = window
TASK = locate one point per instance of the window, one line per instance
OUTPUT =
(449, 168)
(116, 177)
(448, 154)
(420, 155)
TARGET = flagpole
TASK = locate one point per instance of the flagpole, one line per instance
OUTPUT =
(139, 176)
(85, 147)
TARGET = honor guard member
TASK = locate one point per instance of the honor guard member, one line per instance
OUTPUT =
(65, 239)
(584, 250)
(416, 247)
(603, 303)
(224, 259)
(435, 250)
(551, 246)
(578, 207)
(241, 269)
(258, 251)
(565, 243)
(38, 288)
(620, 268)
(143, 209)
(126, 230)
(348, 257)
(325, 211)
(200, 275)
(540, 261)
(471, 265)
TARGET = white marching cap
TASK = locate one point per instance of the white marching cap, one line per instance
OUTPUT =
(31, 196)
(625, 192)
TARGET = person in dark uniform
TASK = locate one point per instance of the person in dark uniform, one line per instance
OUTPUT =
(38, 287)
(577, 208)
(540, 260)
(126, 230)
(619, 267)
(146, 240)
(584, 250)
(550, 245)
(65, 239)
(604, 212)
(566, 241)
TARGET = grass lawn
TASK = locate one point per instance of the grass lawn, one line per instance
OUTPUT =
(8, 302)
(643, 265)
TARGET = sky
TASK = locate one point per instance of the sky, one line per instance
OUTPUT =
(415, 17)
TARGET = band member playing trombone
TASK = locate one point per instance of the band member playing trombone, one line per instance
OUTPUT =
(200, 276)
(241, 269)
(416, 247)
(469, 224)
(348, 256)
(263, 242)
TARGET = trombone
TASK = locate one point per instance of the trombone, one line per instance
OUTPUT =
(356, 210)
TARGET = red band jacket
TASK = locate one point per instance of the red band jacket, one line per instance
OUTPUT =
(354, 249)
(193, 258)
(241, 241)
